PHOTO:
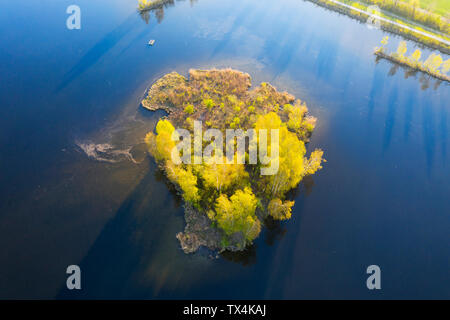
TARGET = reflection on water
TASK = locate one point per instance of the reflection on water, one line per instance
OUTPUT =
(409, 111)
(245, 258)
(275, 231)
(158, 9)
(424, 79)
(390, 118)
(308, 183)
(118, 252)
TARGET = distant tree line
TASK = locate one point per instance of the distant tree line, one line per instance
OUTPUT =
(434, 65)
(411, 10)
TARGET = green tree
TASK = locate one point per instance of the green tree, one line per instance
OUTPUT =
(208, 103)
(189, 109)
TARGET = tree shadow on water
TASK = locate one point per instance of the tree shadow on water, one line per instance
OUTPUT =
(426, 81)
(94, 54)
(129, 244)
(161, 177)
(245, 258)
(275, 231)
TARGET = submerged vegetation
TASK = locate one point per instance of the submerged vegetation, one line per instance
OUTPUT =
(434, 65)
(226, 204)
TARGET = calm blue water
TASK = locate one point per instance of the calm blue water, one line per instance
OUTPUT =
(76, 186)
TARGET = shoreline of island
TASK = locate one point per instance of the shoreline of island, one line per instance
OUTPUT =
(226, 204)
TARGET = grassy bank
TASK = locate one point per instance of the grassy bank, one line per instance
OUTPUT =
(357, 11)
(413, 11)
(441, 7)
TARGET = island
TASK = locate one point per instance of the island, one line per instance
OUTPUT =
(227, 198)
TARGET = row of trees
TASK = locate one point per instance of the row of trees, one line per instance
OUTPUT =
(409, 34)
(433, 65)
(411, 10)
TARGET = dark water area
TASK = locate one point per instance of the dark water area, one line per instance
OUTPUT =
(77, 187)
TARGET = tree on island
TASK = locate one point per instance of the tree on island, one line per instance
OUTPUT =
(229, 202)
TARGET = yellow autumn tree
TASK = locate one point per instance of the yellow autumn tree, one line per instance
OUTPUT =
(292, 164)
(433, 62)
(280, 210)
(446, 66)
(224, 191)
(401, 49)
(268, 121)
(237, 214)
(185, 179)
(314, 163)
(415, 57)
(384, 42)
(436, 63)
(220, 175)
(290, 158)
(298, 121)
(161, 144)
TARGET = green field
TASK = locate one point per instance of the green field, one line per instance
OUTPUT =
(431, 15)
(441, 7)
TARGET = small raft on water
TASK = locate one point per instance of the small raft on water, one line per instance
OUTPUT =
(151, 42)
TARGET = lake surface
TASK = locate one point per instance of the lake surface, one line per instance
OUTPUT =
(77, 187)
